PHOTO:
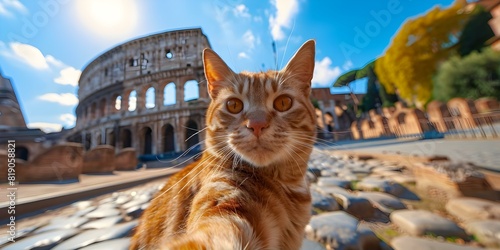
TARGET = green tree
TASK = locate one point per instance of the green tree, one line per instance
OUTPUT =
(474, 76)
(476, 32)
(375, 93)
(416, 50)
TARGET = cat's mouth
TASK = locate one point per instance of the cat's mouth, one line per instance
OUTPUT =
(260, 152)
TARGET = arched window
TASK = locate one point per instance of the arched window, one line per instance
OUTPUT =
(132, 101)
(148, 141)
(191, 134)
(118, 103)
(191, 90)
(126, 138)
(150, 98)
(169, 94)
(168, 138)
(22, 153)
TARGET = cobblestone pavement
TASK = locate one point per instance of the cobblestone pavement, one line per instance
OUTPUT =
(356, 205)
(483, 153)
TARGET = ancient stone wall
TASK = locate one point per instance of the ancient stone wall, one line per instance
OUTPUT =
(148, 94)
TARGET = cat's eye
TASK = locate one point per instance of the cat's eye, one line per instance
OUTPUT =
(282, 103)
(234, 105)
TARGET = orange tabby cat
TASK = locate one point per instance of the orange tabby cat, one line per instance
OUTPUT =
(248, 191)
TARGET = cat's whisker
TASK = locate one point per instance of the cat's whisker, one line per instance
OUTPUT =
(195, 134)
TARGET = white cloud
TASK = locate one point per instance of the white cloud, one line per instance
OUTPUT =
(7, 5)
(347, 65)
(68, 76)
(285, 12)
(66, 99)
(243, 55)
(53, 61)
(46, 127)
(68, 119)
(324, 73)
(29, 54)
(241, 11)
(250, 40)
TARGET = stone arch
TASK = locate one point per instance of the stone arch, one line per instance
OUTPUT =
(111, 140)
(168, 132)
(147, 140)
(192, 137)
(191, 90)
(150, 101)
(126, 138)
(132, 101)
(169, 95)
(102, 107)
(93, 110)
(87, 141)
(117, 102)
(22, 153)
(99, 139)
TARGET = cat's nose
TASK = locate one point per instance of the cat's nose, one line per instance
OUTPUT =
(257, 125)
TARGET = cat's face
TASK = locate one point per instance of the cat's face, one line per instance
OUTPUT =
(264, 118)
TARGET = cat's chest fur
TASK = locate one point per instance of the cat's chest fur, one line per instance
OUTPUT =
(277, 209)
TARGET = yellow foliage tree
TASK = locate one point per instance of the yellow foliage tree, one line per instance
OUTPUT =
(411, 60)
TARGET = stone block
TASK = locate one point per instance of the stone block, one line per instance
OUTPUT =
(126, 159)
(100, 159)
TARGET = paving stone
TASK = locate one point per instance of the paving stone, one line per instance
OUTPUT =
(330, 190)
(63, 223)
(360, 170)
(84, 211)
(414, 243)
(103, 223)
(347, 175)
(384, 202)
(311, 245)
(324, 202)
(329, 172)
(368, 238)
(97, 235)
(82, 204)
(333, 181)
(403, 179)
(42, 240)
(134, 203)
(487, 232)
(359, 207)
(135, 211)
(117, 244)
(337, 230)
(122, 199)
(103, 212)
(422, 222)
(469, 209)
(376, 184)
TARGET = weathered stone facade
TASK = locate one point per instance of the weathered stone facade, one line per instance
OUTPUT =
(134, 95)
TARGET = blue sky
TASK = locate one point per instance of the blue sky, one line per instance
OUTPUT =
(44, 44)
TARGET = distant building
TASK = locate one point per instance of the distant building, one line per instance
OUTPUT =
(29, 142)
(335, 113)
(134, 95)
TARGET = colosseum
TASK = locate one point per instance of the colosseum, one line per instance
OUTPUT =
(147, 93)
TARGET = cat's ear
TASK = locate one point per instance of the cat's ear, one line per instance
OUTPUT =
(216, 71)
(301, 66)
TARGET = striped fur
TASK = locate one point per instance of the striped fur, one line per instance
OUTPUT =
(247, 191)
